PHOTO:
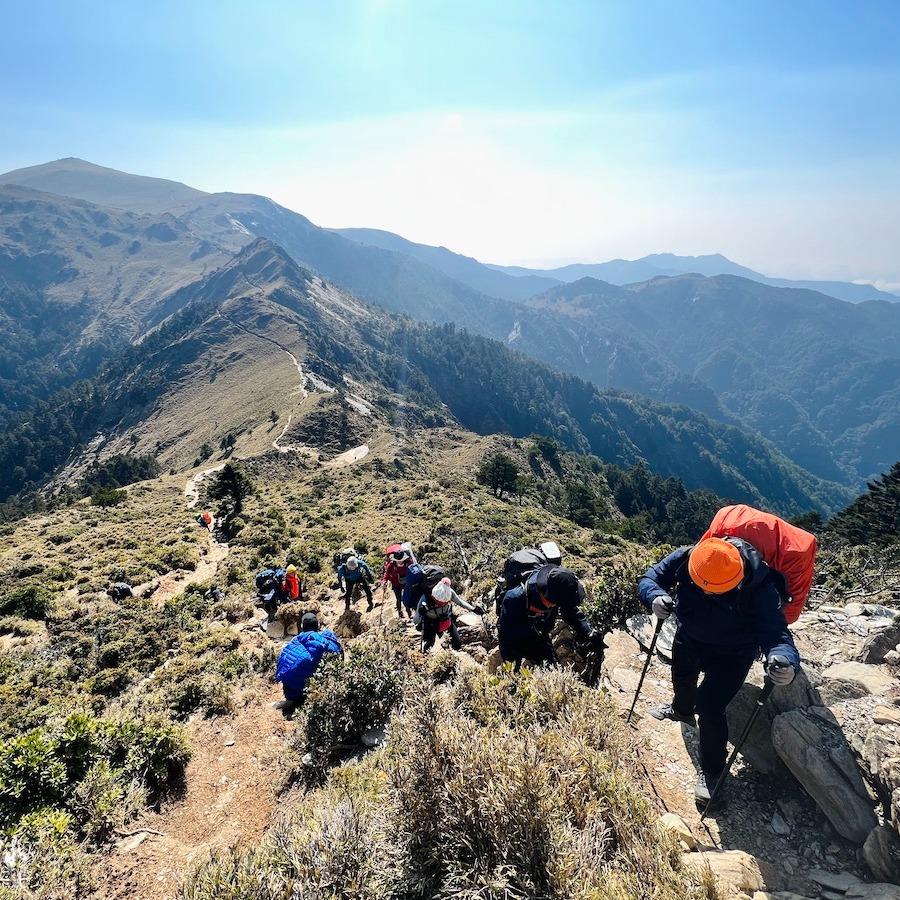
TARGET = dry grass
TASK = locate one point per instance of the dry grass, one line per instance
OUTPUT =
(491, 787)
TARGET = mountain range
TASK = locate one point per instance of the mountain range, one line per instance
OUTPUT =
(96, 262)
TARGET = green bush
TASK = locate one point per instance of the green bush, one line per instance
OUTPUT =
(346, 698)
(108, 497)
(31, 601)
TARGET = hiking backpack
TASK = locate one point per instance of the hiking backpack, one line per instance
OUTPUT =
(269, 579)
(521, 564)
(787, 549)
(342, 556)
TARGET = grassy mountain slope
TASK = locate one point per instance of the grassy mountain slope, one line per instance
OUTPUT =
(218, 369)
(78, 281)
(83, 180)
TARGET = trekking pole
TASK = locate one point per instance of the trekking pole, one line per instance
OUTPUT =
(637, 693)
(760, 703)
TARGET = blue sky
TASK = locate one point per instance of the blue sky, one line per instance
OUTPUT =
(521, 132)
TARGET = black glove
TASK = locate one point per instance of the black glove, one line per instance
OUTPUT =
(595, 642)
(779, 670)
(479, 610)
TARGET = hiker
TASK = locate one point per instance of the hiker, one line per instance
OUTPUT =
(396, 567)
(355, 573)
(728, 605)
(270, 591)
(120, 591)
(529, 611)
(290, 584)
(301, 657)
(434, 599)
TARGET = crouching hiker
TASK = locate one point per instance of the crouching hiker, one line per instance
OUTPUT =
(728, 605)
(428, 591)
(301, 657)
(528, 614)
(353, 575)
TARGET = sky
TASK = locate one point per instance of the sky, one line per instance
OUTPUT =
(516, 132)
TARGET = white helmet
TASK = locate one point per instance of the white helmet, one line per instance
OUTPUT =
(352, 563)
(442, 592)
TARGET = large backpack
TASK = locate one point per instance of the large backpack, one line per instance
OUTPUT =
(269, 579)
(784, 547)
(522, 563)
(343, 555)
(433, 575)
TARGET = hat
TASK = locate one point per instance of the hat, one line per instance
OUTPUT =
(559, 585)
(352, 563)
(291, 569)
(309, 622)
(716, 566)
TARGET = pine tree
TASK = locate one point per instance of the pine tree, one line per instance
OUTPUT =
(874, 517)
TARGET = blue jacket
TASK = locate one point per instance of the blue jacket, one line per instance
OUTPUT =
(301, 657)
(748, 618)
(517, 625)
(351, 576)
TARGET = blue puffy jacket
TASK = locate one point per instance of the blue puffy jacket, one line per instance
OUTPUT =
(301, 657)
(749, 618)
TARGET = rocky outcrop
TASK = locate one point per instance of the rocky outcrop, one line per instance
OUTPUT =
(811, 744)
(882, 854)
(735, 871)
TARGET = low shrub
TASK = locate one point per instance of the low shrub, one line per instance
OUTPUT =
(30, 601)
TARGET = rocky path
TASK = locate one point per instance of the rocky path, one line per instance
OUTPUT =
(796, 831)
(229, 801)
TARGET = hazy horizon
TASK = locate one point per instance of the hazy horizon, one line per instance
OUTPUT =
(519, 135)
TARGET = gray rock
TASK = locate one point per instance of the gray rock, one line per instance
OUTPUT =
(641, 628)
(757, 749)
(779, 826)
(879, 644)
(874, 679)
(835, 881)
(873, 892)
(882, 854)
(812, 746)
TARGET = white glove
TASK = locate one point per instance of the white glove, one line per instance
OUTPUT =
(779, 670)
(663, 606)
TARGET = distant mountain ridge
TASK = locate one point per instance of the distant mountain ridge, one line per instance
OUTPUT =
(246, 333)
(845, 440)
(625, 271)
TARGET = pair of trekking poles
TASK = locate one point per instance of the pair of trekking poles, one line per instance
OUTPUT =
(751, 720)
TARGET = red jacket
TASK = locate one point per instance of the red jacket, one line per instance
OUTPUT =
(395, 573)
(292, 586)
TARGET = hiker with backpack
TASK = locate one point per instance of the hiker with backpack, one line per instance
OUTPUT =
(352, 575)
(396, 567)
(728, 603)
(291, 585)
(528, 613)
(428, 590)
(301, 657)
(270, 591)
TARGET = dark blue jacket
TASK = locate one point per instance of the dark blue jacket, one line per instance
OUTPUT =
(301, 657)
(416, 583)
(749, 618)
(517, 626)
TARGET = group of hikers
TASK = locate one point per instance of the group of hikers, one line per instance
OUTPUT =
(733, 594)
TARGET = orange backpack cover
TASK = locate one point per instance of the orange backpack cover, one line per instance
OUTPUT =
(784, 547)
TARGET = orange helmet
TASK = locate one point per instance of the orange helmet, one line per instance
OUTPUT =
(716, 566)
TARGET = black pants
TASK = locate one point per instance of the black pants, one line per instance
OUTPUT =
(536, 648)
(430, 634)
(350, 589)
(398, 596)
(724, 670)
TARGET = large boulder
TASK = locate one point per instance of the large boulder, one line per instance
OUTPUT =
(873, 892)
(872, 678)
(757, 749)
(881, 756)
(811, 744)
(641, 628)
(882, 854)
(735, 871)
(878, 644)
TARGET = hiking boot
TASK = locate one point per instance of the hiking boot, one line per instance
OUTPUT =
(706, 784)
(668, 712)
(370, 607)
